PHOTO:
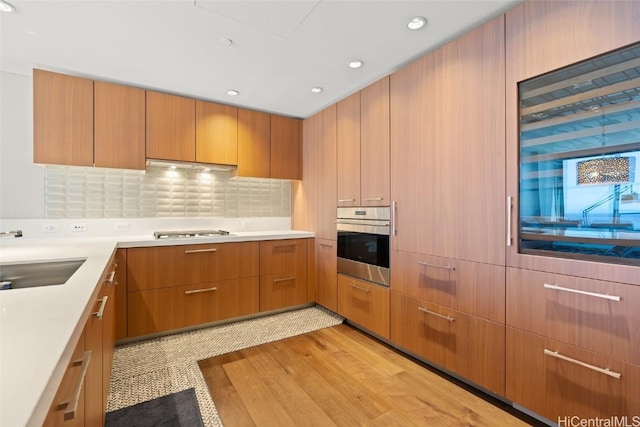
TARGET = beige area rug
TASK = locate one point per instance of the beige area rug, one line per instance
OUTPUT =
(150, 369)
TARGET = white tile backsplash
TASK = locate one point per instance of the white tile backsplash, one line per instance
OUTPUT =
(84, 192)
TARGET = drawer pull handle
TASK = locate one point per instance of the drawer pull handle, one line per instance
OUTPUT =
(509, 207)
(197, 251)
(394, 209)
(286, 279)
(346, 200)
(326, 245)
(103, 304)
(284, 246)
(444, 267)
(360, 288)
(433, 313)
(605, 371)
(112, 276)
(373, 199)
(577, 291)
(197, 291)
(71, 405)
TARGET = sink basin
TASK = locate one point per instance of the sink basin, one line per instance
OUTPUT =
(17, 276)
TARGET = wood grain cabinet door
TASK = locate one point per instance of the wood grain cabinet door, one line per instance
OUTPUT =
(286, 145)
(324, 129)
(119, 126)
(216, 133)
(94, 330)
(283, 273)
(254, 143)
(327, 274)
(374, 146)
(365, 304)
(171, 129)
(62, 119)
(348, 152)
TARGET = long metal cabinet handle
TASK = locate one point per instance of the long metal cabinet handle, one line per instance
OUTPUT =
(197, 291)
(327, 245)
(112, 276)
(394, 207)
(605, 371)
(444, 267)
(509, 205)
(373, 199)
(346, 200)
(360, 288)
(286, 245)
(197, 251)
(286, 279)
(103, 304)
(433, 313)
(577, 291)
(71, 405)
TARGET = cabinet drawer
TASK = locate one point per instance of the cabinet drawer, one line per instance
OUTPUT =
(167, 266)
(210, 302)
(282, 290)
(592, 314)
(557, 380)
(154, 310)
(365, 304)
(471, 347)
(283, 256)
(471, 287)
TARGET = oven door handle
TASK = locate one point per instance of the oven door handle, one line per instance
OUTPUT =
(365, 223)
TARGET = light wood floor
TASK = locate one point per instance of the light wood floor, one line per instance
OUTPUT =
(339, 376)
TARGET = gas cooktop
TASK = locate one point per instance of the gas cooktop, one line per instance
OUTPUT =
(185, 234)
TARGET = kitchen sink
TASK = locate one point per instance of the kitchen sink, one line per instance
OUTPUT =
(18, 276)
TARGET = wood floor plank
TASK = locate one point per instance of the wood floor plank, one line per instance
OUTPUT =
(340, 376)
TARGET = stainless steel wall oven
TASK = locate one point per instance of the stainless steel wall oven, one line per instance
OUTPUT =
(363, 243)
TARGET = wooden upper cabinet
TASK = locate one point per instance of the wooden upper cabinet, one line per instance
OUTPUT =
(254, 143)
(374, 145)
(119, 123)
(62, 119)
(286, 144)
(216, 133)
(171, 130)
(325, 137)
(348, 155)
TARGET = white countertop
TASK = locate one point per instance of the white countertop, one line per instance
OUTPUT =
(40, 327)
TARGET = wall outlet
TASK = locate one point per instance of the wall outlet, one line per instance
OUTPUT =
(78, 226)
(50, 228)
(121, 226)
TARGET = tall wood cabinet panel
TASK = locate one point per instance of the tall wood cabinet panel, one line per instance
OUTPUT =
(374, 137)
(286, 157)
(327, 275)
(62, 119)
(304, 194)
(448, 149)
(216, 133)
(119, 126)
(348, 153)
(254, 143)
(327, 174)
(171, 128)
(532, 33)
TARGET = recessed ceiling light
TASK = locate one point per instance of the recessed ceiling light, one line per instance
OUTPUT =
(316, 89)
(416, 23)
(226, 42)
(6, 7)
(356, 63)
(233, 92)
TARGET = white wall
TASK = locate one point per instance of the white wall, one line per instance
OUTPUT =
(21, 182)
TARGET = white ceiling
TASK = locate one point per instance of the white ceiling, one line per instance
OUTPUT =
(280, 48)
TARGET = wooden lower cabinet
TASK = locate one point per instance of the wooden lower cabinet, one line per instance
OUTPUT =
(560, 381)
(282, 290)
(72, 377)
(466, 345)
(94, 405)
(592, 314)
(210, 302)
(154, 311)
(327, 274)
(471, 287)
(364, 304)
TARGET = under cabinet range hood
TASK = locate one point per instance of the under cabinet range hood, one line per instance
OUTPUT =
(232, 170)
